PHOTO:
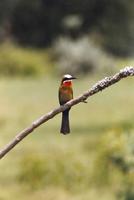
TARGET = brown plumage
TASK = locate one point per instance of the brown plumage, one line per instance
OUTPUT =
(65, 95)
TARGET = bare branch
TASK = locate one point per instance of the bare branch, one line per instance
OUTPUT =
(99, 86)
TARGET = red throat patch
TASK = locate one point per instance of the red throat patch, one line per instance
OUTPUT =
(67, 83)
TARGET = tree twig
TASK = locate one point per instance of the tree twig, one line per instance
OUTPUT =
(99, 86)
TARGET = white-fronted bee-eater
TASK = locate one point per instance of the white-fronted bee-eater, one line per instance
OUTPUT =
(65, 95)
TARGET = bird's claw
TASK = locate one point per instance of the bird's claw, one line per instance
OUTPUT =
(84, 101)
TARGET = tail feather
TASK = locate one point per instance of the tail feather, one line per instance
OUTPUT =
(65, 128)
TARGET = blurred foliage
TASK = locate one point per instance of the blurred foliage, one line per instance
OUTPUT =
(114, 163)
(110, 158)
(39, 23)
(59, 169)
(32, 171)
(16, 61)
(112, 166)
(81, 56)
(66, 56)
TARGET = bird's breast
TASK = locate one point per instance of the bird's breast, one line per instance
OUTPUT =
(65, 94)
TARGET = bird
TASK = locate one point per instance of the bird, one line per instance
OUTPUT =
(65, 95)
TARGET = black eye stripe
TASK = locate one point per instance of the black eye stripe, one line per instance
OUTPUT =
(65, 79)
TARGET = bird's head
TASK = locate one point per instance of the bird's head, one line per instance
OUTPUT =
(67, 79)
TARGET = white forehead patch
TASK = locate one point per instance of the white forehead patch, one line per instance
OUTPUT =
(67, 76)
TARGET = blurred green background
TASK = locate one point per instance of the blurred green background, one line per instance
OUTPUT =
(40, 40)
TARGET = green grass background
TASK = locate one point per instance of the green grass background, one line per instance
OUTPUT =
(94, 162)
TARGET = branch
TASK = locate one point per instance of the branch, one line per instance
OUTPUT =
(99, 86)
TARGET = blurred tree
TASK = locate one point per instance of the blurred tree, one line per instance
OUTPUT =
(6, 8)
(116, 26)
(37, 22)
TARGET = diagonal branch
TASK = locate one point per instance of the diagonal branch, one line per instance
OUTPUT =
(99, 86)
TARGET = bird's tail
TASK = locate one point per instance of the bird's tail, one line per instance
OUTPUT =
(65, 128)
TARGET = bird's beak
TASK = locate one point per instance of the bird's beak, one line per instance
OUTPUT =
(73, 77)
